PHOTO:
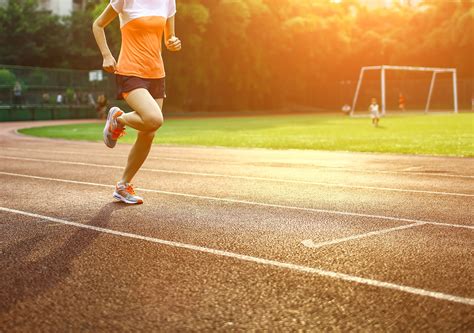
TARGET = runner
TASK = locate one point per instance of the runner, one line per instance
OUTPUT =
(140, 77)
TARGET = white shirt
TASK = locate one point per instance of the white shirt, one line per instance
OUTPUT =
(129, 10)
(374, 108)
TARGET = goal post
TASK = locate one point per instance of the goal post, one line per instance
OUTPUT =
(383, 86)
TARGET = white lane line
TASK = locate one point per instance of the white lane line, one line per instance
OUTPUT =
(245, 202)
(268, 179)
(257, 260)
(311, 244)
(412, 168)
(399, 172)
(118, 155)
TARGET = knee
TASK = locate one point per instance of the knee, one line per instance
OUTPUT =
(148, 136)
(154, 123)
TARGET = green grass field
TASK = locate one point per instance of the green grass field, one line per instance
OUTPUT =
(444, 134)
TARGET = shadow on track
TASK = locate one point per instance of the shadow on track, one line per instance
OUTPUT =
(25, 280)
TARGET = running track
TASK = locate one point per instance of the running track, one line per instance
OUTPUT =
(233, 239)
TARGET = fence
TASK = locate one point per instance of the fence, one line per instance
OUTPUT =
(30, 93)
(331, 95)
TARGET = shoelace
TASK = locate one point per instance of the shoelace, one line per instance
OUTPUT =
(130, 189)
(118, 133)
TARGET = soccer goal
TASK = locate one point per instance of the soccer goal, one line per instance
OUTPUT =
(382, 89)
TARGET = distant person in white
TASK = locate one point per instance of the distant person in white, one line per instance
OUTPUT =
(59, 99)
(374, 112)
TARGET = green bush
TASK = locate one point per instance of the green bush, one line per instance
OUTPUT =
(38, 77)
(7, 78)
(69, 95)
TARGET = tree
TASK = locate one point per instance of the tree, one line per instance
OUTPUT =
(29, 36)
(249, 54)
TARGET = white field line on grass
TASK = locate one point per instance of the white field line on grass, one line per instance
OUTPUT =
(267, 179)
(257, 260)
(309, 243)
(203, 160)
(245, 202)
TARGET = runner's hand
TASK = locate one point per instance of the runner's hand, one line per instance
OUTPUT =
(173, 44)
(109, 64)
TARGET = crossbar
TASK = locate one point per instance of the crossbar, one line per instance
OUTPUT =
(411, 68)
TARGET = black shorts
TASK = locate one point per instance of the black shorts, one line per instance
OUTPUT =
(126, 84)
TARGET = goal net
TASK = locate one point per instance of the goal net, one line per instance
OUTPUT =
(406, 88)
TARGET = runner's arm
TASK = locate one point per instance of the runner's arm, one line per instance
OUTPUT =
(107, 16)
(172, 42)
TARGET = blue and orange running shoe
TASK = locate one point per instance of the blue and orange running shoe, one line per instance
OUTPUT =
(113, 130)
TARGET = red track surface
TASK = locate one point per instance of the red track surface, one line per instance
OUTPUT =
(233, 239)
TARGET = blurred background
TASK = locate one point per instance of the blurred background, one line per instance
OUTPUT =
(245, 54)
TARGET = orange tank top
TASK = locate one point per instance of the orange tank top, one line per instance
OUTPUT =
(142, 23)
(140, 54)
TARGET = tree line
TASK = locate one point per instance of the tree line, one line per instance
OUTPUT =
(249, 54)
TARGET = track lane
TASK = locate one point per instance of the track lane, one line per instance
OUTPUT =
(182, 289)
(361, 177)
(422, 207)
(222, 296)
(272, 234)
(213, 302)
(290, 179)
(406, 165)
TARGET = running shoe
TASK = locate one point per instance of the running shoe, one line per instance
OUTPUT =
(125, 193)
(113, 130)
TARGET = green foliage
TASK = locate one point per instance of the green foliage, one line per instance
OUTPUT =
(69, 95)
(38, 77)
(240, 54)
(7, 79)
(29, 36)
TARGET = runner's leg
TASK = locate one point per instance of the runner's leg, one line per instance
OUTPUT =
(148, 115)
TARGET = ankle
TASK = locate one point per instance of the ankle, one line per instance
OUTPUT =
(121, 121)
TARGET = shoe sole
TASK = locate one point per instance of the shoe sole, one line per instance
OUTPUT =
(107, 126)
(123, 199)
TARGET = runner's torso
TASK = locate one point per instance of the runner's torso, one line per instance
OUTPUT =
(142, 23)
